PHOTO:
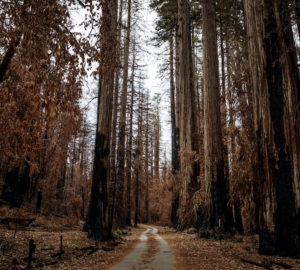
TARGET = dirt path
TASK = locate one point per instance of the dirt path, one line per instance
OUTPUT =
(152, 253)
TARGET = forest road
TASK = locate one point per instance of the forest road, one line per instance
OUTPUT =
(152, 253)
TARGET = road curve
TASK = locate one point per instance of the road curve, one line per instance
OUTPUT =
(152, 253)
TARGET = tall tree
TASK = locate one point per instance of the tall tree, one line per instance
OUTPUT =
(216, 189)
(186, 109)
(97, 221)
(120, 175)
(277, 231)
(130, 139)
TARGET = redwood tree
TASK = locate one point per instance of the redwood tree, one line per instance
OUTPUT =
(98, 223)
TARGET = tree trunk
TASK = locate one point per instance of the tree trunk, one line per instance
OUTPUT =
(7, 59)
(277, 232)
(156, 141)
(291, 80)
(175, 160)
(216, 189)
(115, 116)
(138, 162)
(119, 219)
(147, 160)
(282, 239)
(97, 222)
(129, 147)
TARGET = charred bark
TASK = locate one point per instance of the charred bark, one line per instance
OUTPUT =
(7, 59)
(98, 223)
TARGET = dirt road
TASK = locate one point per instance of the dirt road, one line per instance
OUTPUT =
(152, 253)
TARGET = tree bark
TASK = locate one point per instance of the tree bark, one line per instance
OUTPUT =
(120, 218)
(216, 189)
(129, 147)
(115, 116)
(97, 222)
(277, 231)
(7, 59)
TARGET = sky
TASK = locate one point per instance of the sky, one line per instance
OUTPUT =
(152, 61)
(154, 83)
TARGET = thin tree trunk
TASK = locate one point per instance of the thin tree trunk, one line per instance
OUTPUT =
(147, 160)
(120, 218)
(138, 162)
(115, 116)
(129, 147)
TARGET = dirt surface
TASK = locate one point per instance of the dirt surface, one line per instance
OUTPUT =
(79, 251)
(193, 253)
(152, 253)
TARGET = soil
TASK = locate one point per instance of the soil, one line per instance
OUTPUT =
(190, 251)
(79, 251)
(194, 253)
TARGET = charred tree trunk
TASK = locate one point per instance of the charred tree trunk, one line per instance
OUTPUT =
(277, 231)
(282, 240)
(97, 222)
(7, 59)
(291, 81)
(16, 185)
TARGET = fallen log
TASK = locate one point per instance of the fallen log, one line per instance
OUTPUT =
(107, 248)
(263, 265)
(93, 250)
(281, 264)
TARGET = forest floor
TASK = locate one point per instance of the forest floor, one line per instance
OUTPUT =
(239, 252)
(79, 252)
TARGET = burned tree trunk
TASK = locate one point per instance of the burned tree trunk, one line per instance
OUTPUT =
(277, 231)
(97, 221)
(282, 239)
(7, 59)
